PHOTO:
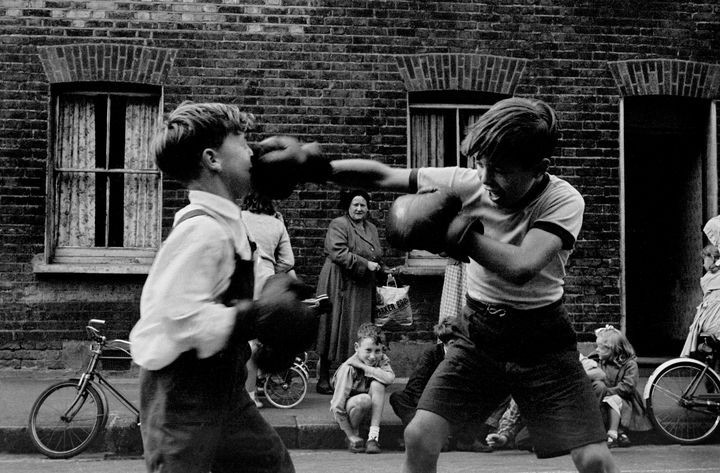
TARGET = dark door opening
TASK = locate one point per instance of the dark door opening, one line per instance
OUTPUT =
(665, 151)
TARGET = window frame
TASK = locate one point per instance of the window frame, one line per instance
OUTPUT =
(101, 259)
(420, 262)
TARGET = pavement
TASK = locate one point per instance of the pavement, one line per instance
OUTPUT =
(307, 426)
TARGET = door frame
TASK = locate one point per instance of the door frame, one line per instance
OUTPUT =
(711, 193)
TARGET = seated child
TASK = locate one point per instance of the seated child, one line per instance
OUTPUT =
(359, 389)
(621, 402)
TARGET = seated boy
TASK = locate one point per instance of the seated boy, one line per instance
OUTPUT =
(359, 385)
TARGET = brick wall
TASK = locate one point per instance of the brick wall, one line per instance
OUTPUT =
(336, 71)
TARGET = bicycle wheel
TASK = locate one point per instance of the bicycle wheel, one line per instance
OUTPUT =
(680, 423)
(286, 389)
(63, 422)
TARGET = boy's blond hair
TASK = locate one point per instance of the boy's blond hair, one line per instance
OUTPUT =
(518, 129)
(190, 129)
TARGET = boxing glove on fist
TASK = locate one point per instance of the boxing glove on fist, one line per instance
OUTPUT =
(281, 162)
(430, 221)
(420, 221)
(282, 322)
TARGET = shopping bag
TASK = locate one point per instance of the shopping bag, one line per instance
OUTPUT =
(393, 304)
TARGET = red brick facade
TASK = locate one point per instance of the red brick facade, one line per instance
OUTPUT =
(336, 71)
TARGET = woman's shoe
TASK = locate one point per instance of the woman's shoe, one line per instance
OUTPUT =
(323, 387)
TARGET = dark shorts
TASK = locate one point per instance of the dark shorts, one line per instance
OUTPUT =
(531, 355)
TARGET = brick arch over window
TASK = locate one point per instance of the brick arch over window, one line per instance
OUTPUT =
(479, 72)
(106, 63)
(666, 77)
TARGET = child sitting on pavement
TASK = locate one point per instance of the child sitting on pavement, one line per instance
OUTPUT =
(359, 389)
(621, 402)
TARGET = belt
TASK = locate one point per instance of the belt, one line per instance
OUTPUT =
(501, 310)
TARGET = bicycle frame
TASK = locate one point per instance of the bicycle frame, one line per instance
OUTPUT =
(92, 375)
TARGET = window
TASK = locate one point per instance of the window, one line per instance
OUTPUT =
(438, 122)
(103, 185)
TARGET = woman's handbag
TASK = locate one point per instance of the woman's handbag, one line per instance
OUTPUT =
(393, 304)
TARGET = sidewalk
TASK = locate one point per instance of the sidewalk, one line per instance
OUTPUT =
(306, 426)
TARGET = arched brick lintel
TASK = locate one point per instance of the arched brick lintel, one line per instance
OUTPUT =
(478, 72)
(666, 77)
(107, 62)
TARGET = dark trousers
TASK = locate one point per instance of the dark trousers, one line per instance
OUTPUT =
(196, 417)
(404, 406)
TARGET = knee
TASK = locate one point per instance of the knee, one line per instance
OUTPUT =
(363, 402)
(594, 458)
(420, 441)
(377, 389)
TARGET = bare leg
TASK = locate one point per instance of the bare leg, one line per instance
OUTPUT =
(424, 438)
(358, 407)
(251, 381)
(614, 423)
(594, 458)
(377, 396)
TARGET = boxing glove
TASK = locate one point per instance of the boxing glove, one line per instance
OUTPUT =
(280, 320)
(282, 162)
(421, 221)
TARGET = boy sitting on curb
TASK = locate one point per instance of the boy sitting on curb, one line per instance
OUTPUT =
(359, 385)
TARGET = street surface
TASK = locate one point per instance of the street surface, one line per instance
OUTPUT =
(641, 459)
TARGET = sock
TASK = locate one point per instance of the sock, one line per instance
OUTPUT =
(613, 434)
(374, 433)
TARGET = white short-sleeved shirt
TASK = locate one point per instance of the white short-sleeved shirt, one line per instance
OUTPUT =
(554, 206)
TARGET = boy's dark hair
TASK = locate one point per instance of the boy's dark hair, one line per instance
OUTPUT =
(258, 204)
(190, 129)
(519, 129)
(371, 331)
(444, 330)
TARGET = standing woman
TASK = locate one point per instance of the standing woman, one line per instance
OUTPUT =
(352, 250)
(275, 255)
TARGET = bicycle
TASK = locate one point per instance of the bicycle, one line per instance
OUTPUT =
(69, 415)
(287, 388)
(682, 395)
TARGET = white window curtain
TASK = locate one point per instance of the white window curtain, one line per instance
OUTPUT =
(75, 189)
(141, 190)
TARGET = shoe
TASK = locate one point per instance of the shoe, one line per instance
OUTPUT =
(355, 447)
(323, 387)
(372, 446)
(257, 402)
(623, 441)
(474, 446)
(612, 442)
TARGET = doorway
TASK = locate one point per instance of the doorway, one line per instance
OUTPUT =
(666, 202)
